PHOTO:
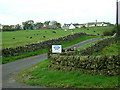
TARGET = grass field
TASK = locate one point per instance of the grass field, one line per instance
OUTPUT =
(40, 75)
(19, 38)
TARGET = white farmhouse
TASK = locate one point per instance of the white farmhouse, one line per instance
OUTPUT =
(71, 26)
(68, 26)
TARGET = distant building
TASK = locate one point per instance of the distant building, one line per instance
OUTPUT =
(44, 27)
(93, 24)
(79, 25)
(68, 26)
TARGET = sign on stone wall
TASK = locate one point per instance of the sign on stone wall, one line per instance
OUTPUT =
(56, 48)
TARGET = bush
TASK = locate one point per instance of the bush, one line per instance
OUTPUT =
(115, 29)
(108, 33)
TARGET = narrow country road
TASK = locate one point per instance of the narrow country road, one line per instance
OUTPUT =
(9, 70)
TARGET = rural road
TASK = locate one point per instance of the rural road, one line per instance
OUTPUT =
(9, 70)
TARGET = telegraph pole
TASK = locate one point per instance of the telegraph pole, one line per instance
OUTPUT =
(117, 32)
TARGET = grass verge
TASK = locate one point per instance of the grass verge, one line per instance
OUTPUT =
(112, 49)
(39, 74)
(87, 45)
(13, 58)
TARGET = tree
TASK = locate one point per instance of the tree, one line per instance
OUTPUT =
(28, 25)
(58, 25)
(46, 23)
(7, 27)
(38, 25)
(18, 27)
(54, 25)
(0, 26)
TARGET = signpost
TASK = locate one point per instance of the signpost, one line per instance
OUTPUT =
(119, 12)
(56, 48)
(117, 17)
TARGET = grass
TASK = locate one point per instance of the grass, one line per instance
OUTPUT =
(20, 38)
(97, 30)
(80, 39)
(39, 74)
(87, 45)
(112, 49)
(13, 58)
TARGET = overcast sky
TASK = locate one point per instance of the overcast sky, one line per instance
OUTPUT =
(63, 11)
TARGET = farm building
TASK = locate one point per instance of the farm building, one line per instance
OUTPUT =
(44, 27)
(92, 24)
(68, 26)
(79, 25)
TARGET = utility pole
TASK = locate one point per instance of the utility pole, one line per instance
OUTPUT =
(117, 18)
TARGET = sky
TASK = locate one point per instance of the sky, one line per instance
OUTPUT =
(64, 11)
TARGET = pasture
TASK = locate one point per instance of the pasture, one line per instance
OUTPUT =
(23, 37)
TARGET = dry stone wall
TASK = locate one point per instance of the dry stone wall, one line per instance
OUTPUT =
(71, 60)
(7, 52)
(102, 65)
(92, 49)
(97, 46)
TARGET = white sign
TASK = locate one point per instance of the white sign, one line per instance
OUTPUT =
(56, 48)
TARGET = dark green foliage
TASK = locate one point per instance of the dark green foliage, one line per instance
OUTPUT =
(98, 34)
(108, 33)
(44, 36)
(53, 31)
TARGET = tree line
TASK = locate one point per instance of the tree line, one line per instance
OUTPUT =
(31, 25)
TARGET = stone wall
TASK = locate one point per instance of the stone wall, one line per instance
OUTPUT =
(102, 65)
(97, 46)
(89, 50)
(7, 52)
(73, 60)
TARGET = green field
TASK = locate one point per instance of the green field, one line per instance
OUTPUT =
(39, 74)
(19, 38)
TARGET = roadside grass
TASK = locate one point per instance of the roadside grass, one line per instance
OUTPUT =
(23, 37)
(13, 58)
(87, 45)
(112, 49)
(80, 39)
(40, 75)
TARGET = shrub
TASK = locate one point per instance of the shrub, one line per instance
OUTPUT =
(53, 31)
(108, 33)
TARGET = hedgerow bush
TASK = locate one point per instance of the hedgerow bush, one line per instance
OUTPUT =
(110, 33)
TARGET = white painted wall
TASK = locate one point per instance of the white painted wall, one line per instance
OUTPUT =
(72, 26)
